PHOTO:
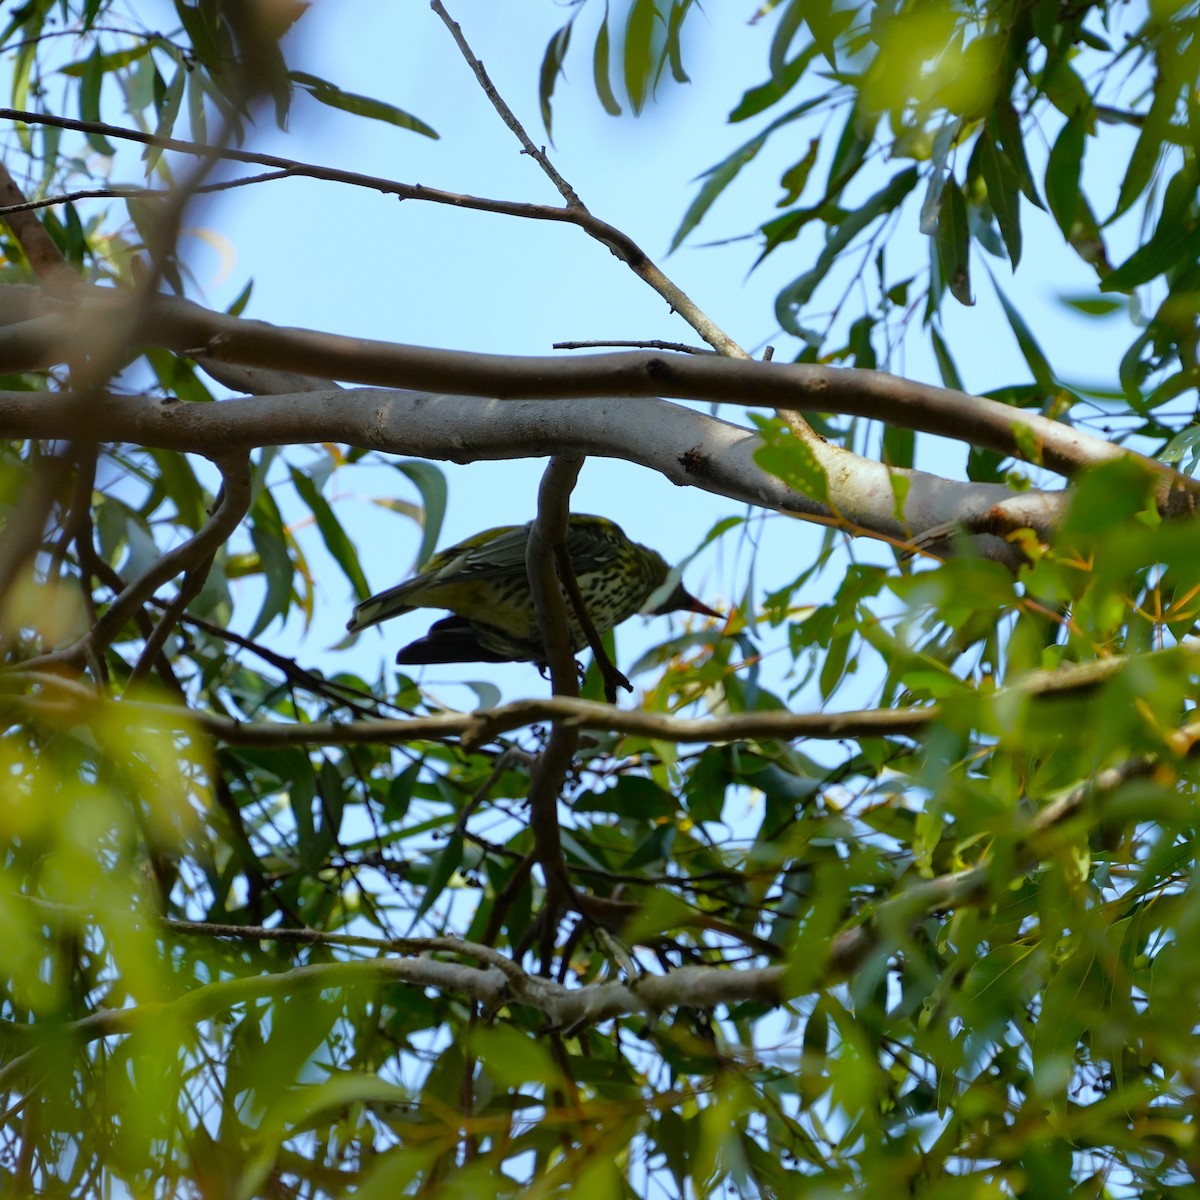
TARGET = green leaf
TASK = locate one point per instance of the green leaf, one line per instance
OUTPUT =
(361, 106)
(1148, 149)
(332, 533)
(633, 796)
(945, 360)
(717, 178)
(639, 33)
(679, 9)
(106, 62)
(1003, 188)
(89, 101)
(1094, 306)
(781, 41)
(796, 176)
(850, 152)
(1004, 126)
(430, 482)
(600, 69)
(552, 68)
(1065, 89)
(278, 570)
(168, 112)
(790, 459)
(441, 870)
(1030, 349)
(706, 784)
(954, 243)
(1062, 171)
(1166, 249)
(756, 99)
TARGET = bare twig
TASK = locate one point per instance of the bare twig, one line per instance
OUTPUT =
(506, 114)
(634, 344)
(548, 531)
(185, 328)
(624, 248)
(44, 256)
(138, 193)
(611, 676)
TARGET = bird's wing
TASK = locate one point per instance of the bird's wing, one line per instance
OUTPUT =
(465, 560)
(501, 554)
(592, 543)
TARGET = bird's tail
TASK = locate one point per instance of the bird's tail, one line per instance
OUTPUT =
(380, 608)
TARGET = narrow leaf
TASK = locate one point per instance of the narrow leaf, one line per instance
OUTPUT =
(552, 68)
(1165, 249)
(89, 101)
(1148, 149)
(332, 533)
(765, 94)
(1030, 349)
(600, 70)
(954, 245)
(1003, 188)
(1005, 128)
(789, 302)
(1062, 172)
(679, 9)
(639, 30)
(361, 106)
(945, 361)
(716, 179)
(441, 871)
(431, 483)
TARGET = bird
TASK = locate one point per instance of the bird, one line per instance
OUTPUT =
(483, 583)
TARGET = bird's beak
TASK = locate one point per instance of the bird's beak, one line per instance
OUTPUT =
(681, 600)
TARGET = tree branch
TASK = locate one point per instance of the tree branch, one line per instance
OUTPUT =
(685, 446)
(549, 772)
(64, 696)
(187, 328)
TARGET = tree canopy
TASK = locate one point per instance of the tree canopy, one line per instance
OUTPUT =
(882, 880)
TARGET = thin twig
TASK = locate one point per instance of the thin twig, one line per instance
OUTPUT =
(548, 531)
(629, 253)
(133, 193)
(634, 344)
(47, 261)
(56, 695)
(506, 114)
(611, 676)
